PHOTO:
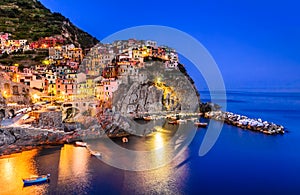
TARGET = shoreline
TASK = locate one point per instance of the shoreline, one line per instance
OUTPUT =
(22, 138)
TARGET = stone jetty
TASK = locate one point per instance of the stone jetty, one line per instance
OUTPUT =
(245, 122)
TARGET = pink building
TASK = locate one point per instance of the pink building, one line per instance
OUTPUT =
(109, 87)
(66, 87)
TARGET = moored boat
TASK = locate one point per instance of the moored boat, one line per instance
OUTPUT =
(36, 179)
(173, 122)
(81, 144)
(95, 153)
(199, 124)
(181, 121)
(147, 118)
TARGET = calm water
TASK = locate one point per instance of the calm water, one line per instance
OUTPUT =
(240, 162)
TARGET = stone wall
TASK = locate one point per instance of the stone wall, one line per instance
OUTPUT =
(50, 119)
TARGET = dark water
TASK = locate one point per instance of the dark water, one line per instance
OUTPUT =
(241, 162)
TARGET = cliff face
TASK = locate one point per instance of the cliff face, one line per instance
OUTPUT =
(159, 90)
(141, 98)
(6, 137)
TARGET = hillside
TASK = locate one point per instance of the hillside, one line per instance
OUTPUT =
(29, 19)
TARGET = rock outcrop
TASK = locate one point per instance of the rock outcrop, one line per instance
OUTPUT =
(158, 92)
(141, 98)
(208, 106)
(6, 138)
(161, 90)
(51, 119)
(246, 123)
(17, 139)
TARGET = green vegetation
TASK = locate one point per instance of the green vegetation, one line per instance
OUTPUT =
(27, 58)
(29, 19)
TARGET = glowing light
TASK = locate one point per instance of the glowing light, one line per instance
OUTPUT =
(35, 96)
(5, 94)
(158, 140)
(46, 62)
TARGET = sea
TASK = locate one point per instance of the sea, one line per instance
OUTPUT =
(240, 162)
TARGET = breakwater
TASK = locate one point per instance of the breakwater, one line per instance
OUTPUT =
(245, 122)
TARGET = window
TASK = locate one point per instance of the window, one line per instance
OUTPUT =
(15, 90)
(6, 86)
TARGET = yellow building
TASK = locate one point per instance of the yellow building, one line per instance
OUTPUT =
(90, 86)
(81, 89)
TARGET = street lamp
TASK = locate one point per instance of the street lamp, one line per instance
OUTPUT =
(35, 97)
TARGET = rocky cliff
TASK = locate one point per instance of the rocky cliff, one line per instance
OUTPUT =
(160, 90)
(18, 139)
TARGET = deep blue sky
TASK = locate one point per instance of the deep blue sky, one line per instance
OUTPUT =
(255, 43)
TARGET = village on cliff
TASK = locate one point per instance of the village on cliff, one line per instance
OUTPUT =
(68, 73)
(69, 80)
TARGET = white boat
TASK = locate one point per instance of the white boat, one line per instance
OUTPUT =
(199, 124)
(95, 153)
(180, 121)
(82, 144)
(148, 118)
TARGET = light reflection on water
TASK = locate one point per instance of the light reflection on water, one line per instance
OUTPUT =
(16, 167)
(73, 167)
(73, 170)
(165, 180)
(146, 153)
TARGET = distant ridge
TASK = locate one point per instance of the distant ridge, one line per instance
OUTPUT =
(29, 19)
